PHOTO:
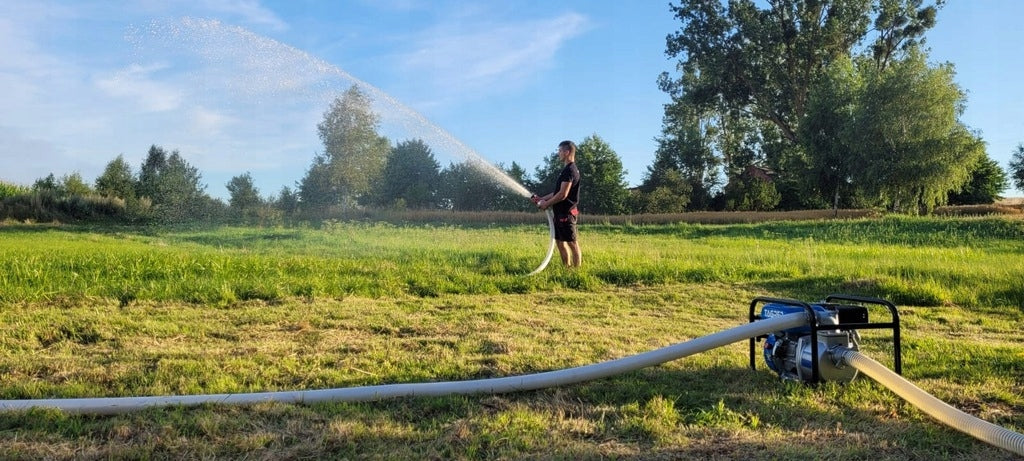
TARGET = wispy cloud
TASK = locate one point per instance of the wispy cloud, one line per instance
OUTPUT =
(25, 68)
(208, 122)
(248, 11)
(476, 54)
(135, 83)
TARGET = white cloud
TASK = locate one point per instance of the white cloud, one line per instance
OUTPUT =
(249, 11)
(134, 83)
(487, 55)
(24, 69)
(207, 122)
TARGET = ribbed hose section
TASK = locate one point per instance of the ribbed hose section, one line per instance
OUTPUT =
(551, 246)
(963, 422)
(114, 405)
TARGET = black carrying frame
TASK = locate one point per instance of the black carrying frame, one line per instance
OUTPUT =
(812, 320)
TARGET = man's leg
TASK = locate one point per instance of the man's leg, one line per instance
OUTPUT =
(576, 257)
(563, 250)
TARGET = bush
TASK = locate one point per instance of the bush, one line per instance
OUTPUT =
(11, 190)
(91, 207)
(751, 194)
(46, 206)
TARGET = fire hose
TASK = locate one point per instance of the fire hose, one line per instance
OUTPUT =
(116, 405)
(963, 422)
(787, 327)
(551, 246)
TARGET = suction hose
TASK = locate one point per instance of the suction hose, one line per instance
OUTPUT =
(116, 405)
(551, 246)
(963, 422)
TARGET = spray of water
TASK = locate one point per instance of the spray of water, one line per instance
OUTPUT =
(252, 66)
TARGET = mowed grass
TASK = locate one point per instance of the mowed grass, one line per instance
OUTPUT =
(90, 312)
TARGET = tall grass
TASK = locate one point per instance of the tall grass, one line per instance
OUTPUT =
(925, 261)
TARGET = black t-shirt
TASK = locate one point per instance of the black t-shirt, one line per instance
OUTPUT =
(569, 173)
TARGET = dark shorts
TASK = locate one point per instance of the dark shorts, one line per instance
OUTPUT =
(565, 228)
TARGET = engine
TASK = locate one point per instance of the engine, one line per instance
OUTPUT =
(805, 353)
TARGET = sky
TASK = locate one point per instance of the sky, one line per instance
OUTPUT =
(238, 86)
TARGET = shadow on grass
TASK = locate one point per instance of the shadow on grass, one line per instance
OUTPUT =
(816, 288)
(245, 239)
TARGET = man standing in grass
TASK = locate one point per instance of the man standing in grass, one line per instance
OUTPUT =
(563, 202)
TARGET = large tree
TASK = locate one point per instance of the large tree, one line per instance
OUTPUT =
(509, 201)
(908, 144)
(117, 180)
(987, 183)
(316, 191)
(244, 195)
(750, 66)
(670, 192)
(74, 185)
(149, 174)
(685, 164)
(467, 188)
(411, 177)
(181, 194)
(605, 179)
(760, 61)
(287, 201)
(830, 112)
(1017, 167)
(356, 153)
(174, 186)
(900, 26)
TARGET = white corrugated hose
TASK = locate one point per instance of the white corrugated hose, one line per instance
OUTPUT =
(551, 246)
(963, 422)
(114, 405)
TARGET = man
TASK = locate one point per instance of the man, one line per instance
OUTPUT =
(563, 202)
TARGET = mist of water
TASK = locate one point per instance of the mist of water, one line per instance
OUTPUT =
(254, 67)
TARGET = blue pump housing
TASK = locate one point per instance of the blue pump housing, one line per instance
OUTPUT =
(770, 310)
(790, 353)
(802, 353)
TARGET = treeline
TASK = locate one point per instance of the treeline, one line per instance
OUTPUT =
(167, 189)
(359, 169)
(795, 105)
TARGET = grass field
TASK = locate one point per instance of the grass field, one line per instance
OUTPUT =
(88, 312)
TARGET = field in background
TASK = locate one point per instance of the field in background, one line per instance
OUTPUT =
(1010, 208)
(121, 311)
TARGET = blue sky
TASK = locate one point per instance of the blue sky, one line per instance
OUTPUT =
(239, 85)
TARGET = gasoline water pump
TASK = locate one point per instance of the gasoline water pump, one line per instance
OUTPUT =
(810, 353)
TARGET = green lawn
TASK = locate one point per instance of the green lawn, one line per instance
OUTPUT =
(89, 312)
